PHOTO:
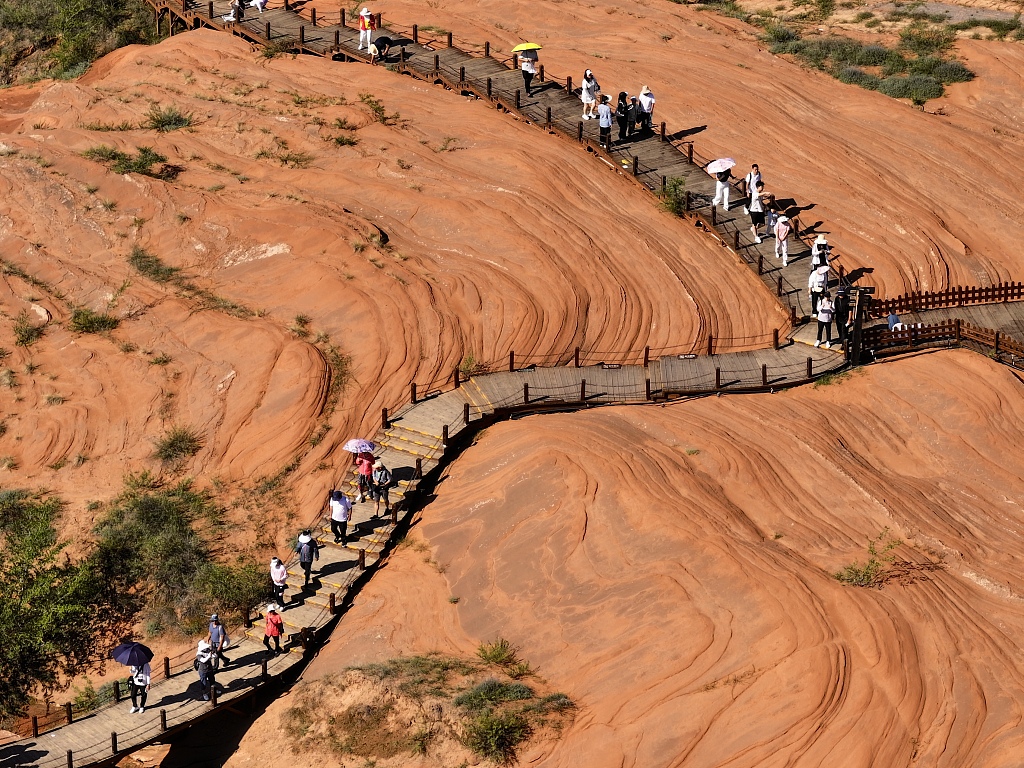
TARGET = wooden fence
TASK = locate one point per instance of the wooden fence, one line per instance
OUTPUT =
(880, 341)
(951, 297)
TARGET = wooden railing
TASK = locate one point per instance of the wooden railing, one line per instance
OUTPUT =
(951, 297)
(880, 340)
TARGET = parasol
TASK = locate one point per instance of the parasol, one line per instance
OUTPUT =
(721, 164)
(359, 445)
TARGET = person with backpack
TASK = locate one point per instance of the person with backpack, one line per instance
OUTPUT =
(278, 579)
(622, 115)
(218, 640)
(341, 510)
(308, 551)
(782, 230)
(820, 252)
(364, 465)
(381, 475)
(753, 179)
(722, 188)
(203, 664)
(367, 24)
(138, 685)
(274, 628)
(825, 312)
(817, 285)
(588, 95)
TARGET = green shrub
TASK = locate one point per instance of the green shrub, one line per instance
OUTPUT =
(917, 88)
(492, 691)
(167, 119)
(925, 41)
(178, 443)
(554, 702)
(952, 72)
(870, 572)
(142, 162)
(84, 320)
(26, 333)
(145, 263)
(497, 735)
(501, 652)
(779, 33)
(673, 199)
(855, 76)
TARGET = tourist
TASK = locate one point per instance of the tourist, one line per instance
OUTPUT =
(753, 179)
(278, 578)
(841, 314)
(341, 509)
(364, 464)
(379, 49)
(588, 95)
(646, 110)
(367, 24)
(528, 63)
(274, 629)
(782, 230)
(259, 5)
(237, 11)
(604, 114)
(825, 311)
(817, 285)
(820, 252)
(203, 664)
(622, 115)
(633, 114)
(218, 640)
(308, 551)
(722, 188)
(381, 475)
(894, 321)
(756, 210)
(138, 684)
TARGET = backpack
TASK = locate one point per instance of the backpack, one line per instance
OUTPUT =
(307, 552)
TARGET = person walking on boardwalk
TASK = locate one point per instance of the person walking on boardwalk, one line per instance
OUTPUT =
(588, 95)
(622, 114)
(203, 664)
(820, 252)
(341, 510)
(278, 579)
(752, 179)
(528, 64)
(782, 230)
(633, 114)
(218, 640)
(382, 481)
(722, 188)
(757, 209)
(604, 116)
(817, 286)
(273, 629)
(646, 116)
(259, 5)
(364, 465)
(367, 24)
(308, 551)
(138, 684)
(379, 49)
(825, 312)
(841, 314)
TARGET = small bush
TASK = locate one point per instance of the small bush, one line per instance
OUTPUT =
(555, 702)
(179, 443)
(168, 119)
(344, 140)
(855, 76)
(925, 41)
(142, 162)
(145, 263)
(497, 736)
(952, 72)
(85, 320)
(674, 198)
(26, 333)
(377, 110)
(501, 652)
(491, 692)
(917, 88)
(776, 33)
(870, 572)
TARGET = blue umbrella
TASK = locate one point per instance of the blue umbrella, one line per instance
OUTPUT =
(131, 654)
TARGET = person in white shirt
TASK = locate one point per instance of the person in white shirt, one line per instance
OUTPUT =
(753, 179)
(820, 252)
(825, 310)
(528, 63)
(341, 509)
(279, 579)
(646, 110)
(757, 210)
(604, 116)
(588, 95)
(138, 683)
(782, 229)
(366, 26)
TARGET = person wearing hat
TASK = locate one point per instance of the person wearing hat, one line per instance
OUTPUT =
(278, 578)
(341, 510)
(274, 629)
(817, 286)
(367, 23)
(646, 110)
(528, 64)
(218, 640)
(820, 252)
(308, 551)
(203, 664)
(379, 49)
(588, 95)
(381, 483)
(782, 230)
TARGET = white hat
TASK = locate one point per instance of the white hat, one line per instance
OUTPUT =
(823, 269)
(378, 464)
(272, 608)
(645, 91)
(304, 539)
(203, 646)
(820, 240)
(588, 73)
(364, 12)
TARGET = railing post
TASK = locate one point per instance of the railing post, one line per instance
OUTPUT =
(647, 389)
(337, 39)
(792, 315)
(647, 356)
(444, 436)
(736, 240)
(380, 23)
(526, 393)
(312, 16)
(394, 514)
(209, 10)
(71, 758)
(419, 468)
(743, 188)
(117, 690)
(579, 131)
(302, 34)
(449, 39)
(775, 338)
(542, 73)
(583, 390)
(997, 342)
(686, 201)
(689, 153)
(662, 131)
(576, 357)
(416, 33)
(810, 367)
(343, 17)
(163, 716)
(548, 124)
(517, 98)
(465, 413)
(764, 374)
(718, 378)
(842, 274)
(568, 85)
(384, 423)
(213, 694)
(412, 391)
(462, 75)
(167, 668)
(487, 49)
(711, 344)
(113, 742)
(714, 215)
(458, 378)
(268, 30)
(35, 727)
(515, 61)
(287, 5)
(957, 329)
(778, 287)
(332, 603)
(489, 91)
(636, 163)
(511, 361)
(264, 672)
(760, 263)
(247, 621)
(362, 559)
(67, 712)
(437, 63)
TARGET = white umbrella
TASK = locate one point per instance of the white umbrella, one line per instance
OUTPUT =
(721, 164)
(359, 445)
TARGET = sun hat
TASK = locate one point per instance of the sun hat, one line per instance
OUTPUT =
(364, 12)
(645, 91)
(820, 240)
(783, 217)
(305, 538)
(588, 73)
(272, 608)
(378, 464)
(203, 646)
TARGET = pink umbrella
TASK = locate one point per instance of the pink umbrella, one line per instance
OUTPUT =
(721, 164)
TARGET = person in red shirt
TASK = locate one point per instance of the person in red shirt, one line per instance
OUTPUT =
(364, 463)
(275, 628)
(367, 23)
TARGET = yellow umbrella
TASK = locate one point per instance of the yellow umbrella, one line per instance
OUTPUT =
(527, 47)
